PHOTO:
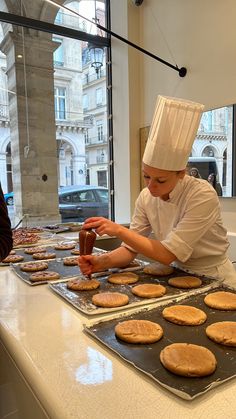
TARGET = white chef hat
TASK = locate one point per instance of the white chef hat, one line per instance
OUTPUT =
(173, 130)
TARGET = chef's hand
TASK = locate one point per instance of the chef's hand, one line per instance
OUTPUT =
(102, 226)
(89, 264)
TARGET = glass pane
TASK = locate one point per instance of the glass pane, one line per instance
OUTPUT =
(212, 150)
(49, 116)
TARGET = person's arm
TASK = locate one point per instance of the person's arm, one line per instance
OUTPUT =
(6, 241)
(117, 258)
(150, 248)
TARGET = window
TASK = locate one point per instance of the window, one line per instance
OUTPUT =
(85, 102)
(60, 102)
(86, 137)
(58, 55)
(99, 130)
(99, 96)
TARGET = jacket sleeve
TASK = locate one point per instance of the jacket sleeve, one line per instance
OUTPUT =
(6, 241)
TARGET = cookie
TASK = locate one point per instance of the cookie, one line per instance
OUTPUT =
(158, 269)
(139, 331)
(32, 250)
(65, 246)
(70, 261)
(46, 255)
(185, 282)
(184, 315)
(123, 278)
(221, 300)
(13, 259)
(110, 299)
(83, 284)
(75, 252)
(149, 290)
(34, 266)
(223, 333)
(44, 276)
(188, 360)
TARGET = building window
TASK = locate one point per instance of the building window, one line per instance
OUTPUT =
(86, 137)
(99, 130)
(58, 55)
(99, 96)
(59, 18)
(60, 102)
(85, 102)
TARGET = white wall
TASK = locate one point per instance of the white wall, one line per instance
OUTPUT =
(198, 35)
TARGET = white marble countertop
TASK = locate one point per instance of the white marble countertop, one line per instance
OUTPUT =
(73, 376)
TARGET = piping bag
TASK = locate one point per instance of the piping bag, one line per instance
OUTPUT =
(86, 242)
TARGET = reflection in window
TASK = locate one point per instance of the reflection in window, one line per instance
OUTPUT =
(58, 55)
(99, 96)
(214, 144)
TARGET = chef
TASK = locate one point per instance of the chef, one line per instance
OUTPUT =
(182, 212)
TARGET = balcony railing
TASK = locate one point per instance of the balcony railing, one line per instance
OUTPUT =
(101, 139)
(93, 77)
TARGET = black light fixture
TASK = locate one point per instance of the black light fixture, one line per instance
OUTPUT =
(96, 56)
(137, 2)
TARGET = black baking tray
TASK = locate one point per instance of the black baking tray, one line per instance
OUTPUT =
(82, 300)
(55, 265)
(146, 357)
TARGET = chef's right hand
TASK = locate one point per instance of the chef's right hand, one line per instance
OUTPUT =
(89, 264)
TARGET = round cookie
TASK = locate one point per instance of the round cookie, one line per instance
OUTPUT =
(75, 252)
(188, 360)
(70, 261)
(223, 333)
(83, 284)
(184, 315)
(149, 290)
(33, 267)
(46, 255)
(13, 259)
(32, 250)
(158, 269)
(12, 252)
(44, 276)
(221, 300)
(185, 282)
(122, 278)
(110, 299)
(139, 331)
(65, 246)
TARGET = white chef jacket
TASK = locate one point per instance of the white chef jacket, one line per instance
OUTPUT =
(188, 224)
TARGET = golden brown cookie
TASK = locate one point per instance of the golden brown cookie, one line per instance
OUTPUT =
(110, 299)
(44, 276)
(83, 284)
(34, 266)
(75, 252)
(123, 278)
(139, 331)
(65, 246)
(223, 333)
(149, 290)
(185, 282)
(13, 259)
(188, 360)
(32, 250)
(46, 255)
(158, 269)
(184, 315)
(221, 300)
(70, 261)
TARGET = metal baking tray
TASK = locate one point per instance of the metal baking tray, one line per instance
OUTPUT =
(145, 358)
(82, 300)
(55, 265)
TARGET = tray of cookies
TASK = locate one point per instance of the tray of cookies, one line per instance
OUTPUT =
(187, 346)
(124, 289)
(44, 271)
(42, 252)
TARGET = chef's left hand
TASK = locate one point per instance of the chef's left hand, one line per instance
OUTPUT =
(102, 226)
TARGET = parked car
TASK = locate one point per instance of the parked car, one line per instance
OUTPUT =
(76, 203)
(9, 198)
